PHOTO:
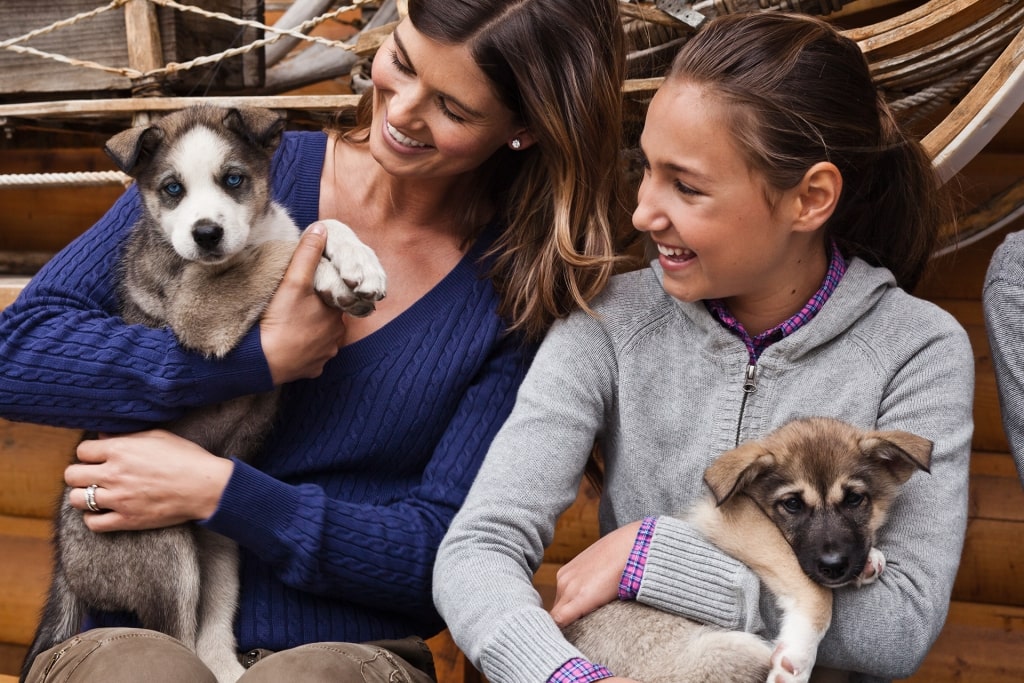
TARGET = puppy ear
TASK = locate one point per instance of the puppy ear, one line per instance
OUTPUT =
(734, 470)
(259, 127)
(132, 149)
(901, 452)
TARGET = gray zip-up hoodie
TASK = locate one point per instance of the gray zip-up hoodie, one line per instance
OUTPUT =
(664, 388)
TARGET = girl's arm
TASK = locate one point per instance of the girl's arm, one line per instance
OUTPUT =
(483, 576)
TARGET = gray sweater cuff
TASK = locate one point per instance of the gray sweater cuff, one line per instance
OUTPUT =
(687, 575)
(528, 648)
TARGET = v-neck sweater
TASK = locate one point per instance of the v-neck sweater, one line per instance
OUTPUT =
(338, 519)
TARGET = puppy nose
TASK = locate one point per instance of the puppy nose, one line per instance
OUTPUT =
(833, 565)
(207, 235)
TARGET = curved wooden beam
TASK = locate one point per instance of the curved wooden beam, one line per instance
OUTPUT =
(981, 114)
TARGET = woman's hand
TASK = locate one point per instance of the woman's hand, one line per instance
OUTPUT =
(147, 480)
(298, 331)
(591, 579)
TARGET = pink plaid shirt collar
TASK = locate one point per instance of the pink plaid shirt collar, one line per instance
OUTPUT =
(756, 345)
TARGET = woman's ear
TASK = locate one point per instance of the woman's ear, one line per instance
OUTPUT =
(521, 140)
(817, 196)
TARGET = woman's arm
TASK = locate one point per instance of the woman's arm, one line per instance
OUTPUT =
(373, 554)
(68, 359)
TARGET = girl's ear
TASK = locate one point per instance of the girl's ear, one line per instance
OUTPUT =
(817, 196)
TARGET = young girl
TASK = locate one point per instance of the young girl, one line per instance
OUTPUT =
(478, 170)
(790, 216)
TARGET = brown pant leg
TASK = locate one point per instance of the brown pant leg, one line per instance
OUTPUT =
(119, 655)
(403, 661)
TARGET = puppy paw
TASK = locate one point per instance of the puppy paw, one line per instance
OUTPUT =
(872, 569)
(791, 664)
(225, 667)
(350, 276)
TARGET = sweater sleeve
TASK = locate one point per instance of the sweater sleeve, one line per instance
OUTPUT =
(374, 554)
(68, 359)
(483, 576)
(1003, 299)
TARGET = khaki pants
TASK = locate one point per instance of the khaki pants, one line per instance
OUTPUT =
(127, 655)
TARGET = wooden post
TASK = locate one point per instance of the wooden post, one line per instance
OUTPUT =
(144, 49)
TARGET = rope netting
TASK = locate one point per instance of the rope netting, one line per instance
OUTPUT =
(297, 32)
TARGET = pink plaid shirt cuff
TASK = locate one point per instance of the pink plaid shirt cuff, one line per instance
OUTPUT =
(633, 574)
(578, 670)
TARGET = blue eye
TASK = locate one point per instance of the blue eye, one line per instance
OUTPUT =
(174, 188)
(233, 180)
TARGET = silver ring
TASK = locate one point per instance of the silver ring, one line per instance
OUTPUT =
(90, 497)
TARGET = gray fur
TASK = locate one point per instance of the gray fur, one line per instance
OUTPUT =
(183, 580)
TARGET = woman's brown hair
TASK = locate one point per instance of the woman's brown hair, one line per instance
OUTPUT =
(558, 65)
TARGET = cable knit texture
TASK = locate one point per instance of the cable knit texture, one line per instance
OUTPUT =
(340, 517)
(660, 385)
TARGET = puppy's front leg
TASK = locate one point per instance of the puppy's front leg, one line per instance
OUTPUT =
(350, 276)
(215, 643)
(743, 531)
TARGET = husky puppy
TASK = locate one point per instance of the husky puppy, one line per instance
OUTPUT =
(801, 508)
(204, 259)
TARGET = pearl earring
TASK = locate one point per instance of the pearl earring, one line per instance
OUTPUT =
(516, 143)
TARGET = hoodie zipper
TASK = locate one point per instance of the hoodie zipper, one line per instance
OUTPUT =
(749, 387)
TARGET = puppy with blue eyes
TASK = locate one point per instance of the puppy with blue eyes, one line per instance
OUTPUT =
(800, 507)
(204, 259)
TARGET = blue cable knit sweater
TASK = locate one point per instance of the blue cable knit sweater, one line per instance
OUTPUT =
(340, 517)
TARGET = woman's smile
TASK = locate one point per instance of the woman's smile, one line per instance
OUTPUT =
(402, 139)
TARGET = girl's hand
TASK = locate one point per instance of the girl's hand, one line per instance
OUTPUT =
(147, 480)
(591, 579)
(298, 331)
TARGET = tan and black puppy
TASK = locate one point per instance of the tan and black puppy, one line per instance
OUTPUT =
(204, 259)
(800, 507)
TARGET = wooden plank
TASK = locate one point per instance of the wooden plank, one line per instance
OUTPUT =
(24, 581)
(102, 39)
(10, 287)
(980, 644)
(11, 657)
(991, 564)
(89, 39)
(577, 527)
(32, 462)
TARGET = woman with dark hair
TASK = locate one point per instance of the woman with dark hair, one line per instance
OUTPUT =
(483, 171)
(791, 216)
